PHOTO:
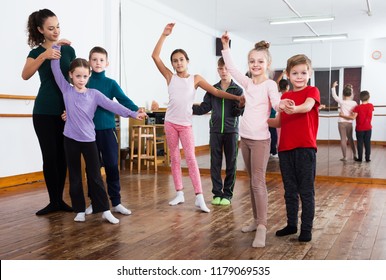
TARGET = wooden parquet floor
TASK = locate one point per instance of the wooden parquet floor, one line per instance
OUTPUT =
(350, 224)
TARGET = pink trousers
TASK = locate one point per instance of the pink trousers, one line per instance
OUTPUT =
(256, 156)
(174, 134)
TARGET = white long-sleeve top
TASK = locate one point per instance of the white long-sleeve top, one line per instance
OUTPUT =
(346, 106)
(259, 99)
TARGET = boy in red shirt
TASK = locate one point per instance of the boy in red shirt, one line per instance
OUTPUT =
(297, 147)
(363, 115)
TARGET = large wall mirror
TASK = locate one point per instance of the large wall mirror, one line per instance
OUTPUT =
(358, 59)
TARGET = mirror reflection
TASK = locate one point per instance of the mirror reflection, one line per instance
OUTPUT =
(356, 60)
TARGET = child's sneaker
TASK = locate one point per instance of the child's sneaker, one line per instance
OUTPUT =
(225, 201)
(216, 200)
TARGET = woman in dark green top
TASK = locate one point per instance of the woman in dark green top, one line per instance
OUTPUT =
(44, 31)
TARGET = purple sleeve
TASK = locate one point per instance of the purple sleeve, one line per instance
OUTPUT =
(112, 106)
(58, 75)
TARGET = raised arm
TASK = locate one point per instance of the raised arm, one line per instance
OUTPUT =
(200, 82)
(157, 50)
(333, 93)
(58, 75)
(237, 75)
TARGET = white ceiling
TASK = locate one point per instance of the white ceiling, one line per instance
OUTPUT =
(249, 18)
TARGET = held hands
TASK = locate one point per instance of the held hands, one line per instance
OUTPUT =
(287, 106)
(241, 101)
(225, 40)
(141, 116)
(168, 29)
(63, 42)
(51, 53)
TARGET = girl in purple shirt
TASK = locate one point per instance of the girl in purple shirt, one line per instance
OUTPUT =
(79, 135)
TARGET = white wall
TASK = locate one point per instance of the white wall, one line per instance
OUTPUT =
(82, 22)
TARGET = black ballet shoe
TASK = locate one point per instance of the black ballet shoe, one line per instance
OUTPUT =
(305, 236)
(287, 231)
(50, 208)
(65, 207)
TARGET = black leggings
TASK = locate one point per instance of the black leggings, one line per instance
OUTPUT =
(49, 130)
(97, 191)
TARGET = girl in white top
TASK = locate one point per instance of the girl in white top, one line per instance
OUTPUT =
(261, 94)
(345, 125)
(178, 120)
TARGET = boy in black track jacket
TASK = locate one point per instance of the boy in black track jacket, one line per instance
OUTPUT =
(224, 135)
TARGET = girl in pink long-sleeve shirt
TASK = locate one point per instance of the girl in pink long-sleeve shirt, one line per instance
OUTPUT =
(178, 119)
(261, 94)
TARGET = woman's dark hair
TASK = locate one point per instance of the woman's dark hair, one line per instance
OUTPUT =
(179, 51)
(35, 20)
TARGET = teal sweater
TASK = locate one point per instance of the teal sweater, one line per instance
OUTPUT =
(49, 100)
(104, 119)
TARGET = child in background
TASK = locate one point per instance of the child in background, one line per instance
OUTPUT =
(224, 136)
(297, 147)
(345, 125)
(178, 119)
(261, 95)
(363, 114)
(104, 120)
(79, 131)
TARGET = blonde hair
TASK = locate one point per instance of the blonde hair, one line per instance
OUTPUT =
(263, 46)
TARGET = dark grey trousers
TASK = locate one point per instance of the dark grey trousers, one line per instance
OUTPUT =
(298, 168)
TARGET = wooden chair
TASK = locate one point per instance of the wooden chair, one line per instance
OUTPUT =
(161, 141)
(143, 137)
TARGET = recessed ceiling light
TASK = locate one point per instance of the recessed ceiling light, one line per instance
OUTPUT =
(319, 38)
(300, 20)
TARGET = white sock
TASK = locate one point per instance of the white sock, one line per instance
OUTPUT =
(109, 216)
(121, 209)
(200, 202)
(261, 233)
(89, 210)
(178, 199)
(80, 217)
(249, 228)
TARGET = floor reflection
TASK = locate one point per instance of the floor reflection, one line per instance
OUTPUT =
(328, 163)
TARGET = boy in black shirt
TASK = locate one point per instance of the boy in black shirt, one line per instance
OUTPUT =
(224, 135)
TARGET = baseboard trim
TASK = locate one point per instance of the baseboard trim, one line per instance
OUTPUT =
(21, 179)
